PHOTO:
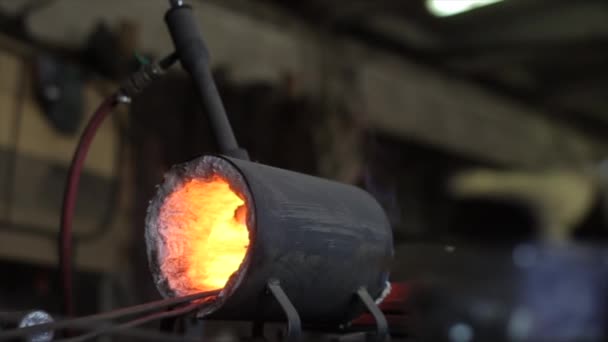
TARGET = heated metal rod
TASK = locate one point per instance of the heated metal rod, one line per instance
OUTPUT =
(139, 321)
(88, 320)
(194, 57)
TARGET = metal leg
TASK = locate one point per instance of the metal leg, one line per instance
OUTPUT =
(374, 310)
(294, 326)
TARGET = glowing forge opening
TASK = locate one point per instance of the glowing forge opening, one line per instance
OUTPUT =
(205, 235)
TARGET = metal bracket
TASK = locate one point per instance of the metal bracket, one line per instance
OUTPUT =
(374, 310)
(294, 325)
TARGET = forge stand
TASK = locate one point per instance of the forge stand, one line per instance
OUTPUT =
(294, 325)
(293, 321)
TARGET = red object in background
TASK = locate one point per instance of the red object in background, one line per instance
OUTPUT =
(393, 307)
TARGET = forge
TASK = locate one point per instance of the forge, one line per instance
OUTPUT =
(238, 226)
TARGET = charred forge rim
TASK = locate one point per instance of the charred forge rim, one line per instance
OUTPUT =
(202, 167)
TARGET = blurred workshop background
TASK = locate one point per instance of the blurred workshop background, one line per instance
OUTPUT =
(475, 123)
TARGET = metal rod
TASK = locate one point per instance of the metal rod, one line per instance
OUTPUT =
(88, 320)
(294, 326)
(139, 321)
(374, 310)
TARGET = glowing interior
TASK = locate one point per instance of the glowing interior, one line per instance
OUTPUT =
(205, 235)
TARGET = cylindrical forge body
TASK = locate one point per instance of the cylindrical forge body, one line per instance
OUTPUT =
(321, 239)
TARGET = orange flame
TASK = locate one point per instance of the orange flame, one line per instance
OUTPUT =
(206, 235)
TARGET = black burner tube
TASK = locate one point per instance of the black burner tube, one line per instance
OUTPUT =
(194, 57)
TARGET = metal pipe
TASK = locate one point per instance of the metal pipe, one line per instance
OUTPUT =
(194, 57)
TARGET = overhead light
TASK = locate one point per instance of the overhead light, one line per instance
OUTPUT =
(444, 8)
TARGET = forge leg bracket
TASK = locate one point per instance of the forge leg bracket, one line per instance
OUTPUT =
(294, 325)
(381, 324)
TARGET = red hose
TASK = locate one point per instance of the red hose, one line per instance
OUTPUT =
(69, 200)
